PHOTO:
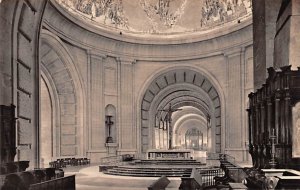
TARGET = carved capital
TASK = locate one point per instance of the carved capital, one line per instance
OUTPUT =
(126, 60)
(96, 54)
(233, 52)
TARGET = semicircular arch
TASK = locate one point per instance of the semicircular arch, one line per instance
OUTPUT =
(185, 78)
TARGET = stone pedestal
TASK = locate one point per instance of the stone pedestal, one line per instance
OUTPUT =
(111, 149)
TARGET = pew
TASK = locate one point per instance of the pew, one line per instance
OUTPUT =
(233, 174)
(62, 183)
(192, 182)
(160, 184)
(24, 180)
(272, 179)
(64, 162)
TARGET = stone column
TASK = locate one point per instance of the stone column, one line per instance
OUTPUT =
(264, 30)
(287, 41)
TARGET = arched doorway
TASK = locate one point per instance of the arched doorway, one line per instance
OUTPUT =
(179, 88)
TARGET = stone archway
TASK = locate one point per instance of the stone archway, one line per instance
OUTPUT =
(181, 87)
(58, 67)
(181, 126)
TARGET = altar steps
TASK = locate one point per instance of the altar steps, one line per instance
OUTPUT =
(168, 162)
(148, 172)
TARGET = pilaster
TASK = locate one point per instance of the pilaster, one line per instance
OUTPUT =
(126, 109)
(97, 120)
(235, 104)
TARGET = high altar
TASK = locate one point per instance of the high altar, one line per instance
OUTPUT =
(168, 154)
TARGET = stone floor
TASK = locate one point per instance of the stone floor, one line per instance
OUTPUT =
(89, 178)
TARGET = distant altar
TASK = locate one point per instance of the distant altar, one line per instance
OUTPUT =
(157, 154)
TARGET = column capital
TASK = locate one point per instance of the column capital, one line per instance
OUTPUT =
(234, 51)
(126, 60)
(96, 54)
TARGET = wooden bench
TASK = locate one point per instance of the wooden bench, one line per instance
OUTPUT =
(23, 180)
(192, 182)
(63, 183)
(64, 162)
(233, 174)
(160, 184)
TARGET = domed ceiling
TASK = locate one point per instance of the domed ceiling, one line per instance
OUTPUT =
(160, 16)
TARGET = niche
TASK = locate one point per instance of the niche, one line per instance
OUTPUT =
(110, 124)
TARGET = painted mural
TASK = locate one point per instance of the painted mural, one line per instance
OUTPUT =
(161, 16)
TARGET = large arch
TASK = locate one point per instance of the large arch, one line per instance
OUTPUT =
(184, 87)
(58, 63)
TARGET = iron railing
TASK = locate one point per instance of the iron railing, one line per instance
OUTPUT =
(208, 175)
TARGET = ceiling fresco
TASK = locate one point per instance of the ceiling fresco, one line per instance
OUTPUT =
(160, 16)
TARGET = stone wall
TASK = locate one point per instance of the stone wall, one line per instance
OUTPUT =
(117, 69)
(287, 38)
(90, 69)
(19, 73)
(264, 24)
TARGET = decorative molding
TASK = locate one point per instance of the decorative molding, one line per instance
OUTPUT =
(234, 52)
(97, 54)
(125, 60)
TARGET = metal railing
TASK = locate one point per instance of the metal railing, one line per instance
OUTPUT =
(217, 156)
(208, 175)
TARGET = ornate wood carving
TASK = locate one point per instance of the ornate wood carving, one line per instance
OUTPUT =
(270, 114)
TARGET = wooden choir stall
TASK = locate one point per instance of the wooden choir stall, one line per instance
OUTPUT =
(14, 174)
(274, 118)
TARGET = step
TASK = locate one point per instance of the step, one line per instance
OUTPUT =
(147, 174)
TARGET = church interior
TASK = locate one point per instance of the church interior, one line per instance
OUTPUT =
(157, 94)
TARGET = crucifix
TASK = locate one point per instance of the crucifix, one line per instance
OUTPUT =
(109, 123)
(169, 112)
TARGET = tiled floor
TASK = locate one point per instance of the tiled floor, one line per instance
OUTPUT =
(89, 178)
